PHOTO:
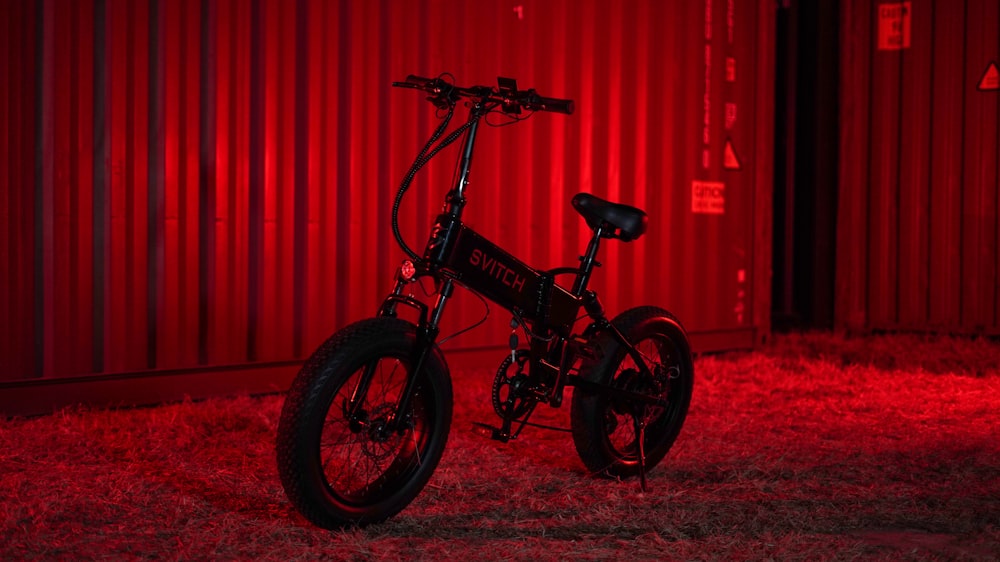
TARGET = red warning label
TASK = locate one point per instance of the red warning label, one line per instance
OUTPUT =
(991, 79)
(893, 26)
(708, 197)
(730, 160)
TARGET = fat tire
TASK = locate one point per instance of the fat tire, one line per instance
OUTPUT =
(313, 396)
(590, 411)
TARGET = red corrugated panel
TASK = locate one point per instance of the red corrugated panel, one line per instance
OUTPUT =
(917, 248)
(128, 324)
(69, 233)
(980, 187)
(883, 207)
(230, 166)
(18, 43)
(177, 344)
(945, 218)
(45, 178)
(227, 339)
(914, 172)
(852, 212)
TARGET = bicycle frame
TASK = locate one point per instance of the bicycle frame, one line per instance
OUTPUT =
(456, 254)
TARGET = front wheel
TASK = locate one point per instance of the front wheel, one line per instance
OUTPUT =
(605, 427)
(340, 459)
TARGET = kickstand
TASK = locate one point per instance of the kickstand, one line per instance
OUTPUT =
(524, 420)
(640, 438)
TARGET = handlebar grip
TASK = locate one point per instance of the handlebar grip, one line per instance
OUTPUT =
(531, 100)
(555, 105)
(416, 82)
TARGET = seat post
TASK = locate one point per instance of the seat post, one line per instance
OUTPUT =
(588, 262)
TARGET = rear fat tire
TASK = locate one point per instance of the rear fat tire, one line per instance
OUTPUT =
(338, 472)
(604, 435)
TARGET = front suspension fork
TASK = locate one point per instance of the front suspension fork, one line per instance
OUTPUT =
(427, 332)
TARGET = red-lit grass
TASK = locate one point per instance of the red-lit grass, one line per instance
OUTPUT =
(815, 447)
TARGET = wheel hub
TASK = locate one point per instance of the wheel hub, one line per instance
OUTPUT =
(630, 380)
(380, 441)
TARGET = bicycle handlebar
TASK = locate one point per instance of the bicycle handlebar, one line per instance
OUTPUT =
(511, 100)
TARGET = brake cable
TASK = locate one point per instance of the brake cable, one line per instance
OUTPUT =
(422, 159)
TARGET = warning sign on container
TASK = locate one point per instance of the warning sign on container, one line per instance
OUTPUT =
(730, 160)
(991, 79)
(894, 26)
(708, 197)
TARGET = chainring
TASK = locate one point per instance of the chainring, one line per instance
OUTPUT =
(509, 397)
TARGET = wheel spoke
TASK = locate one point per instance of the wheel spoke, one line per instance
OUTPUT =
(359, 457)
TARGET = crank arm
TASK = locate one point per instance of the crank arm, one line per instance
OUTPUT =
(506, 431)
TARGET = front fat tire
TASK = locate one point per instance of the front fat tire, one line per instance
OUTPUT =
(598, 424)
(319, 477)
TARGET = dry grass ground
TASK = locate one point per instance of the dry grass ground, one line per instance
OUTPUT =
(813, 448)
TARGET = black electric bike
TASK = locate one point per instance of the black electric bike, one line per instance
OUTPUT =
(365, 422)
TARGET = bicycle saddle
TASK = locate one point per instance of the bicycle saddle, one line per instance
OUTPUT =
(627, 222)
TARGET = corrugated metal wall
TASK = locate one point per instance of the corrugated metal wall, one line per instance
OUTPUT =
(918, 232)
(195, 184)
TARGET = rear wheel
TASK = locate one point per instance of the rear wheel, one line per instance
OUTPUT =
(342, 466)
(604, 427)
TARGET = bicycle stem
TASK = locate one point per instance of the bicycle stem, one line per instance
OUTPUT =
(470, 140)
(455, 200)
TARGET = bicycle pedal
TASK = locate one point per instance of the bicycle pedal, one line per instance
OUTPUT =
(487, 430)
